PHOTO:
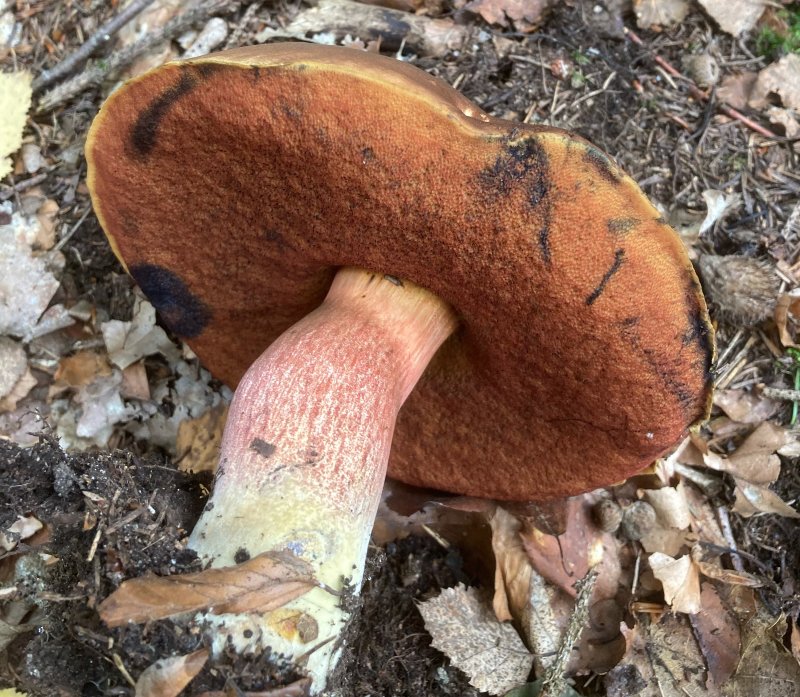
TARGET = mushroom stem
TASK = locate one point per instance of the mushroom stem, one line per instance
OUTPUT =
(305, 451)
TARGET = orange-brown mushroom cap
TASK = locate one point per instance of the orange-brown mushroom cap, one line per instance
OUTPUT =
(234, 185)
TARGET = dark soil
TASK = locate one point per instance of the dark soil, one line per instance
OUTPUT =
(111, 517)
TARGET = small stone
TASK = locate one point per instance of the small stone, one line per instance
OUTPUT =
(637, 520)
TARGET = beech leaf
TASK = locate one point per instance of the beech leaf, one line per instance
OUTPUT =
(167, 677)
(466, 630)
(262, 584)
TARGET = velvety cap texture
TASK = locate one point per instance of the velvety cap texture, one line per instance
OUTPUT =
(233, 186)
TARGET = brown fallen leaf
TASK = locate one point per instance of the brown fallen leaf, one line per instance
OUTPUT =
(671, 507)
(787, 311)
(735, 89)
(199, 440)
(766, 668)
(680, 579)
(79, 370)
(135, 384)
(717, 630)
(782, 78)
(168, 677)
(525, 15)
(264, 583)
(663, 660)
(466, 630)
(512, 568)
(746, 406)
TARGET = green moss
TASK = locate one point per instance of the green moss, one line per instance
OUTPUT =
(773, 44)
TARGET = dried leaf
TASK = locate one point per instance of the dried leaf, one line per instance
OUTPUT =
(13, 364)
(167, 677)
(671, 507)
(21, 529)
(134, 382)
(752, 499)
(754, 461)
(525, 15)
(735, 89)
(734, 16)
(466, 631)
(15, 100)
(765, 668)
(787, 310)
(128, 342)
(663, 660)
(729, 576)
(79, 370)
(20, 390)
(199, 440)
(718, 633)
(746, 406)
(718, 204)
(27, 282)
(782, 78)
(264, 583)
(659, 14)
(680, 579)
(512, 570)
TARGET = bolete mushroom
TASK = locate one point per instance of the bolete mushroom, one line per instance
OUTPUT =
(316, 222)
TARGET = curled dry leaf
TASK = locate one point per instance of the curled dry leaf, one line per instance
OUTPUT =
(752, 499)
(466, 630)
(199, 440)
(128, 342)
(787, 310)
(168, 677)
(512, 569)
(681, 581)
(264, 583)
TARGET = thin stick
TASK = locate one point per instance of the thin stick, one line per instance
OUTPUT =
(699, 95)
(554, 683)
(97, 73)
(100, 37)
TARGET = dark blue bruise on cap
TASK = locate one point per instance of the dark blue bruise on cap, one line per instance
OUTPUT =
(184, 313)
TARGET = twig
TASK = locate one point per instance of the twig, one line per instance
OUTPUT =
(781, 393)
(97, 73)
(23, 185)
(727, 533)
(101, 36)
(699, 95)
(554, 683)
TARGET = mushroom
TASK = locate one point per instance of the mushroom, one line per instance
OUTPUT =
(327, 229)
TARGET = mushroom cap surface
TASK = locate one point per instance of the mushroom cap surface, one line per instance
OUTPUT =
(234, 185)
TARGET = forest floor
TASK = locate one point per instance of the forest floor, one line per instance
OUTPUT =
(700, 105)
